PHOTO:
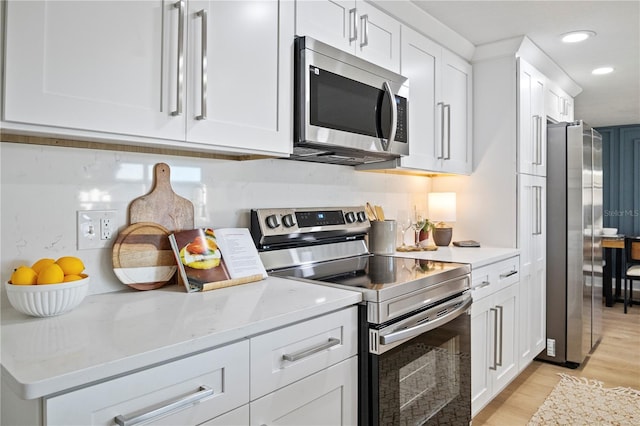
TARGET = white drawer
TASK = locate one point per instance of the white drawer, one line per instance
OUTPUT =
(223, 370)
(488, 279)
(291, 353)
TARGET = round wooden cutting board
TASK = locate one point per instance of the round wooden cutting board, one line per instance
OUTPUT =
(142, 256)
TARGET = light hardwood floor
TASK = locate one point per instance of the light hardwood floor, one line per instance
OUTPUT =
(615, 362)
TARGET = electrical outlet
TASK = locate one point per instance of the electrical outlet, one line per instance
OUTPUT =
(95, 228)
(551, 347)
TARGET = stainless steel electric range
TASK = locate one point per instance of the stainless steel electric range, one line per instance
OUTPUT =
(414, 353)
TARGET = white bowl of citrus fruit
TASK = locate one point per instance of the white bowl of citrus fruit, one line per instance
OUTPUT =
(48, 287)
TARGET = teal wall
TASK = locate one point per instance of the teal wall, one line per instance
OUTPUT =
(621, 170)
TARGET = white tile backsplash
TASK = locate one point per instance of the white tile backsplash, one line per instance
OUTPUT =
(42, 187)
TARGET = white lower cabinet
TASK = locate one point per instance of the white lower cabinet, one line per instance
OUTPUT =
(328, 397)
(287, 376)
(494, 319)
(189, 391)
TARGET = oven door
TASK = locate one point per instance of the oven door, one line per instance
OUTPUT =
(422, 379)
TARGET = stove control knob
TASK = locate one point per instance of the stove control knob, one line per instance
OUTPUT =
(273, 221)
(362, 217)
(288, 221)
(351, 217)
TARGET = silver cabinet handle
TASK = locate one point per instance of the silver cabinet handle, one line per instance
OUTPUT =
(537, 190)
(308, 352)
(179, 89)
(537, 125)
(394, 116)
(500, 310)
(482, 285)
(365, 30)
(179, 404)
(495, 339)
(508, 274)
(441, 156)
(203, 57)
(448, 108)
(353, 25)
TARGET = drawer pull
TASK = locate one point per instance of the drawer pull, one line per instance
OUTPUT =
(508, 274)
(483, 285)
(308, 352)
(146, 415)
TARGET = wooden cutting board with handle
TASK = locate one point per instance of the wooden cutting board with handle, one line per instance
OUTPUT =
(162, 205)
(142, 256)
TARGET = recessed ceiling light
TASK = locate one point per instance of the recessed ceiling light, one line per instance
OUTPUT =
(577, 36)
(601, 71)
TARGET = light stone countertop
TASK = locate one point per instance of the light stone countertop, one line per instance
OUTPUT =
(476, 256)
(115, 333)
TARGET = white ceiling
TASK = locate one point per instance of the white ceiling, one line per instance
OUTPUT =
(607, 100)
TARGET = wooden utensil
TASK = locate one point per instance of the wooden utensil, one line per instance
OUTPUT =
(142, 256)
(162, 205)
(371, 214)
(379, 212)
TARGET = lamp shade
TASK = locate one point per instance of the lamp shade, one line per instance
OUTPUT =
(442, 206)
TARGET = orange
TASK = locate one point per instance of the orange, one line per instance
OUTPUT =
(23, 275)
(51, 274)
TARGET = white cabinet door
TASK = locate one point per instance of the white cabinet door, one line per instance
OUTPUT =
(239, 87)
(457, 110)
(440, 108)
(420, 63)
(237, 417)
(329, 397)
(558, 104)
(98, 66)
(532, 134)
(532, 244)
(354, 26)
(505, 313)
(482, 347)
(379, 37)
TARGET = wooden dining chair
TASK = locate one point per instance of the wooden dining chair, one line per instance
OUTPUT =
(632, 268)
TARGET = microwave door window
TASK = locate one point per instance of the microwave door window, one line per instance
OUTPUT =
(343, 104)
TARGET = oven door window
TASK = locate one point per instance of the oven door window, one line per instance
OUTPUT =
(340, 103)
(426, 380)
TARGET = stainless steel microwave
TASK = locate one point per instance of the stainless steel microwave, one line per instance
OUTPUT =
(347, 110)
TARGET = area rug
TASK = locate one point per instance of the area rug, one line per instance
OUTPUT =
(582, 401)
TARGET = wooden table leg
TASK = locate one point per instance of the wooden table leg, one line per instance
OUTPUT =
(606, 278)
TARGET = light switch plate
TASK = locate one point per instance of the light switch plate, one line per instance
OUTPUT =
(95, 228)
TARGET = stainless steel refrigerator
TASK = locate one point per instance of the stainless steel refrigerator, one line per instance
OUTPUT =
(574, 252)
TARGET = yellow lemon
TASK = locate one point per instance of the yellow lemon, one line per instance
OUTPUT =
(41, 264)
(51, 274)
(73, 277)
(70, 265)
(23, 275)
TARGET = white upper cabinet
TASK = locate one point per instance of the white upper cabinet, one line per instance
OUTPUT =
(211, 75)
(245, 71)
(353, 26)
(532, 138)
(101, 66)
(440, 106)
(558, 104)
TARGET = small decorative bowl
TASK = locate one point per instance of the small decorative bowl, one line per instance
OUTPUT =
(609, 231)
(47, 300)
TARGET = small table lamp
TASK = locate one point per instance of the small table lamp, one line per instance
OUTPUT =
(442, 208)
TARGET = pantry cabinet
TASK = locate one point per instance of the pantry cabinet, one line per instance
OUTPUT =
(532, 225)
(205, 75)
(494, 326)
(532, 124)
(353, 26)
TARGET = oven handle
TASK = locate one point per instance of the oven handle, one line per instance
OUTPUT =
(410, 332)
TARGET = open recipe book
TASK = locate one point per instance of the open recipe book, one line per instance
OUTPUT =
(210, 259)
